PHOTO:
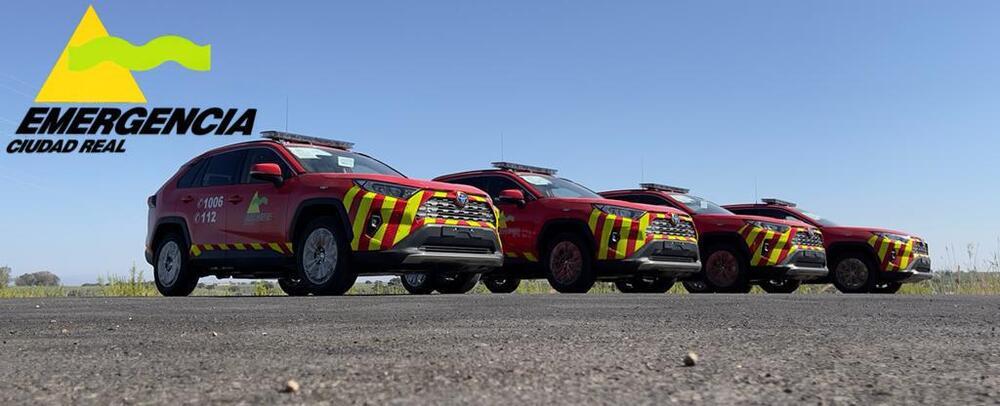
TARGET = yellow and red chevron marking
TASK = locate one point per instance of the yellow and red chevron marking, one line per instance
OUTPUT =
(399, 217)
(284, 248)
(632, 233)
(780, 244)
(884, 246)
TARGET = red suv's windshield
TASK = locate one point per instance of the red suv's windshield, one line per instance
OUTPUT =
(329, 160)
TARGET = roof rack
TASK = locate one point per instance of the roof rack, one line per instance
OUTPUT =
(282, 136)
(664, 188)
(524, 168)
(777, 202)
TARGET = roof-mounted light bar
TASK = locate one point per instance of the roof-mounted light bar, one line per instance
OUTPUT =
(777, 202)
(524, 168)
(282, 136)
(664, 188)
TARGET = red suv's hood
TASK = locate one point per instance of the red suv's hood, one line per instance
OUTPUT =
(417, 183)
(857, 229)
(746, 217)
(621, 203)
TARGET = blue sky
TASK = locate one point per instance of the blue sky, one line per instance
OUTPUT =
(874, 113)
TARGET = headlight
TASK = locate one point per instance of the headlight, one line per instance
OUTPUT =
(894, 237)
(778, 228)
(388, 189)
(620, 211)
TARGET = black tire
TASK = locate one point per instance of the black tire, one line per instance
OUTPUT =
(644, 285)
(886, 288)
(292, 287)
(568, 264)
(697, 286)
(726, 269)
(780, 286)
(455, 284)
(417, 283)
(172, 271)
(504, 284)
(854, 273)
(329, 272)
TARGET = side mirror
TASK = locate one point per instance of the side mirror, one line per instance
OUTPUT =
(267, 172)
(514, 196)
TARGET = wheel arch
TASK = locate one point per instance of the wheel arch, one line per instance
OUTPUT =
(841, 249)
(312, 208)
(557, 226)
(711, 239)
(171, 224)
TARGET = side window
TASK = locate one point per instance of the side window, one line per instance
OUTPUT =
(500, 183)
(192, 176)
(262, 156)
(223, 169)
(772, 213)
(643, 199)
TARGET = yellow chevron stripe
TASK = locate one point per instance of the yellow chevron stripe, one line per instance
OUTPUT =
(349, 197)
(276, 247)
(530, 257)
(776, 251)
(512, 254)
(409, 213)
(240, 247)
(359, 218)
(207, 247)
(594, 215)
(288, 247)
(194, 250)
(223, 247)
(256, 246)
(643, 226)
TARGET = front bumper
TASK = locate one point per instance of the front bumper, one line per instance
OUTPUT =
(919, 270)
(440, 247)
(674, 259)
(804, 265)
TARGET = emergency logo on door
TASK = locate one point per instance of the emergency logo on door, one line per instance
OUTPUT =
(254, 212)
(96, 67)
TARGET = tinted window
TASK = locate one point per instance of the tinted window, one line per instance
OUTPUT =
(263, 156)
(191, 174)
(492, 185)
(223, 169)
(772, 213)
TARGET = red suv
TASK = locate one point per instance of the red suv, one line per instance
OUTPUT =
(554, 228)
(739, 250)
(315, 215)
(863, 259)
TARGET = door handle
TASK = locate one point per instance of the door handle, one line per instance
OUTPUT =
(234, 199)
(187, 199)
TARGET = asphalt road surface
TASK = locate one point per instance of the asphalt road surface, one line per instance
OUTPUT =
(540, 349)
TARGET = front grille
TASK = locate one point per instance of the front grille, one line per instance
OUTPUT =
(806, 238)
(920, 247)
(444, 208)
(456, 249)
(681, 228)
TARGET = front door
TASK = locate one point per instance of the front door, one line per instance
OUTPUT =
(257, 211)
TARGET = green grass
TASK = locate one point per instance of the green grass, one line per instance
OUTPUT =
(135, 285)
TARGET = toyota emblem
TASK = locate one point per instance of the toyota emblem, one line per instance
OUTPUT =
(461, 199)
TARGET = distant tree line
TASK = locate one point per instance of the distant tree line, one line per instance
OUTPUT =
(43, 278)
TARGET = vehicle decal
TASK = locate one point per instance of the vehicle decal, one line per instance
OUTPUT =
(779, 245)
(399, 217)
(893, 255)
(283, 248)
(255, 214)
(631, 233)
(528, 256)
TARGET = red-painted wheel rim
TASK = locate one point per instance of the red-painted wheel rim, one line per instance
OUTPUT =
(566, 262)
(722, 268)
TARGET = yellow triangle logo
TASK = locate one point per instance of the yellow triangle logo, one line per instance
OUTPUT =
(104, 83)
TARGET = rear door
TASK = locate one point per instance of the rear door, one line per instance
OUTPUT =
(257, 212)
(518, 227)
(204, 204)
